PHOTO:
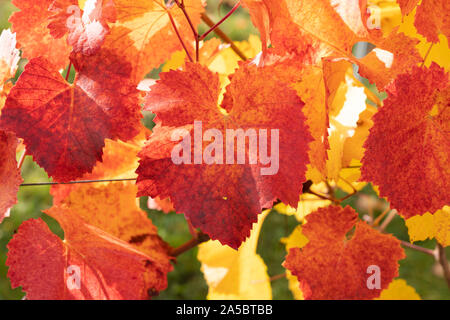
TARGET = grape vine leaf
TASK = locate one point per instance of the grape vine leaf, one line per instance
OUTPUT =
(333, 265)
(9, 173)
(408, 144)
(107, 266)
(86, 28)
(30, 25)
(223, 200)
(64, 125)
(143, 34)
(399, 290)
(431, 19)
(429, 226)
(325, 29)
(236, 275)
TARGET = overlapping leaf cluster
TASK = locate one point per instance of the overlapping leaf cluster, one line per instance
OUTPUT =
(299, 78)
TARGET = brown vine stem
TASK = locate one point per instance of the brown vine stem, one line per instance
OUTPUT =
(419, 248)
(223, 36)
(442, 257)
(278, 277)
(195, 241)
(216, 25)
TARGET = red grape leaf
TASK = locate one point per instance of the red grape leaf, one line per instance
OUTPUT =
(432, 17)
(327, 29)
(30, 25)
(86, 28)
(9, 173)
(408, 149)
(333, 265)
(109, 268)
(64, 125)
(224, 200)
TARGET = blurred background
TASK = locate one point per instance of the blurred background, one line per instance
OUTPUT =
(186, 281)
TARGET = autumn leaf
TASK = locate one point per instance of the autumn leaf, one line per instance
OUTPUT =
(223, 200)
(333, 264)
(30, 24)
(429, 226)
(64, 125)
(408, 144)
(399, 290)
(235, 275)
(116, 252)
(143, 34)
(322, 29)
(85, 27)
(9, 173)
(117, 213)
(432, 17)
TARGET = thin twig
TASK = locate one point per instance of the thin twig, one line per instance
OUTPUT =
(223, 36)
(68, 71)
(426, 55)
(216, 25)
(22, 159)
(73, 182)
(381, 216)
(419, 248)
(195, 241)
(444, 263)
(388, 220)
(278, 277)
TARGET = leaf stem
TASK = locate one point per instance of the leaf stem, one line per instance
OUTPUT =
(195, 241)
(22, 159)
(216, 25)
(444, 263)
(223, 36)
(418, 248)
(68, 71)
(426, 55)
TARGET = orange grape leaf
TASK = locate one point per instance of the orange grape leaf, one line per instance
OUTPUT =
(144, 36)
(64, 125)
(334, 264)
(330, 31)
(408, 144)
(89, 264)
(30, 24)
(224, 200)
(9, 173)
(117, 213)
(86, 28)
(432, 17)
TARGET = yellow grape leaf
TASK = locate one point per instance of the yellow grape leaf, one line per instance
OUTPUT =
(9, 58)
(431, 226)
(296, 240)
(389, 13)
(307, 204)
(350, 100)
(236, 274)
(399, 290)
